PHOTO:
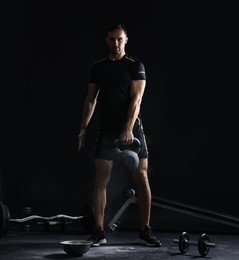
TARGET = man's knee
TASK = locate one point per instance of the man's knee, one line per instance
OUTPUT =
(103, 172)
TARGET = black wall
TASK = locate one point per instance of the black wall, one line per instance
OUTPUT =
(48, 49)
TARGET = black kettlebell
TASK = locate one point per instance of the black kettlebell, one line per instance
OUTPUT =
(127, 154)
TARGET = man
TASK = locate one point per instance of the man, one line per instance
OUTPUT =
(117, 85)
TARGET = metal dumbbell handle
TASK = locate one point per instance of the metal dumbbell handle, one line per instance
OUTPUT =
(193, 243)
(209, 244)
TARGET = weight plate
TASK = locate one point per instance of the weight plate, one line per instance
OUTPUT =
(202, 248)
(183, 242)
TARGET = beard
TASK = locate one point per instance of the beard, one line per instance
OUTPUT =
(115, 50)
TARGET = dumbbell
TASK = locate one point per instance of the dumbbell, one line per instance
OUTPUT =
(87, 218)
(203, 243)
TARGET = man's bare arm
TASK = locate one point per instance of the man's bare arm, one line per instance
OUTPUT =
(137, 92)
(88, 111)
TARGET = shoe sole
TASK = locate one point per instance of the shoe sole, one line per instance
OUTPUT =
(141, 241)
(101, 242)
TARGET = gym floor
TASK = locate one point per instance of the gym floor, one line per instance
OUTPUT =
(121, 244)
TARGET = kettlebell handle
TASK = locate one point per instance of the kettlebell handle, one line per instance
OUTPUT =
(135, 146)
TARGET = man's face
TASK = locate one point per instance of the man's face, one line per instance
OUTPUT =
(116, 41)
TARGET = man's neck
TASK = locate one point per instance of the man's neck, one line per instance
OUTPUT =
(116, 57)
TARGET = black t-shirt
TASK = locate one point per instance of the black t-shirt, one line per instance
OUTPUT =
(113, 78)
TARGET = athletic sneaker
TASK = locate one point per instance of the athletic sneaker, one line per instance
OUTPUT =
(147, 238)
(97, 238)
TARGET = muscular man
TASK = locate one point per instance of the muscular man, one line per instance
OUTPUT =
(117, 85)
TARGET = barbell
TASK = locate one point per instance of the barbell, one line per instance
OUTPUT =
(203, 243)
(127, 154)
(87, 218)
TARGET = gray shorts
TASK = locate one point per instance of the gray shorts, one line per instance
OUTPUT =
(105, 143)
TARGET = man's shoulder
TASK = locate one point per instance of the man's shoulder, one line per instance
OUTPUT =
(136, 66)
(100, 61)
(132, 58)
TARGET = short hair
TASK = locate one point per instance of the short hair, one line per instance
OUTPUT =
(114, 26)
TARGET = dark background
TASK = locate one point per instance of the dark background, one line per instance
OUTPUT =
(187, 108)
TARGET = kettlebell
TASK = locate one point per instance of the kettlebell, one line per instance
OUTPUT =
(127, 154)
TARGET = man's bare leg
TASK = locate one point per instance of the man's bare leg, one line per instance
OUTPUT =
(143, 192)
(102, 177)
(144, 203)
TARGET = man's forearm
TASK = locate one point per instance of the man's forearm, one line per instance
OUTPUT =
(88, 111)
(133, 113)
(137, 90)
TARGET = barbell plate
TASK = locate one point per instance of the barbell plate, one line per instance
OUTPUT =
(183, 244)
(4, 219)
(88, 220)
(202, 247)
